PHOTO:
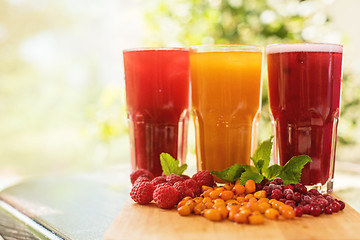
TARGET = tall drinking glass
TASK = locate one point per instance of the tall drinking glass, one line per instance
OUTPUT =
(226, 94)
(157, 97)
(304, 92)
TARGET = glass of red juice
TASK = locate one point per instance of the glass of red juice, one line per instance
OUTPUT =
(304, 94)
(157, 97)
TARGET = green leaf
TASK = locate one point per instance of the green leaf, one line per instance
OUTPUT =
(273, 171)
(263, 152)
(259, 165)
(257, 177)
(170, 165)
(230, 174)
(291, 172)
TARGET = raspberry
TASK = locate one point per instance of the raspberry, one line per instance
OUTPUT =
(194, 186)
(141, 179)
(158, 180)
(166, 196)
(162, 184)
(173, 178)
(204, 178)
(185, 177)
(278, 181)
(140, 172)
(142, 192)
(276, 194)
(300, 188)
(180, 187)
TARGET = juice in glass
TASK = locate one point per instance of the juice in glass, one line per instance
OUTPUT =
(226, 94)
(304, 92)
(157, 96)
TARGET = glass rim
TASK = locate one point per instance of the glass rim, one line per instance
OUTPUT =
(226, 48)
(304, 47)
(142, 49)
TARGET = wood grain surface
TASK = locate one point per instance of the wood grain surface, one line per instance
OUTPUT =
(149, 222)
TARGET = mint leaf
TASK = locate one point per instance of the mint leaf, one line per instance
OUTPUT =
(232, 173)
(272, 172)
(291, 171)
(263, 152)
(257, 177)
(170, 165)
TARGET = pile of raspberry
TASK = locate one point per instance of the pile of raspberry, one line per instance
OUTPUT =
(167, 191)
(303, 201)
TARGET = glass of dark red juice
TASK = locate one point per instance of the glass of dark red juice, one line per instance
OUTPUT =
(157, 97)
(304, 94)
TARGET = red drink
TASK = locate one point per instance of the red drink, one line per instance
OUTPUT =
(157, 95)
(304, 93)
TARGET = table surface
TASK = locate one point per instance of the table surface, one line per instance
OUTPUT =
(79, 206)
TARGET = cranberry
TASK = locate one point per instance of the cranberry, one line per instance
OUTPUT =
(315, 211)
(314, 192)
(298, 211)
(300, 188)
(289, 187)
(306, 198)
(291, 203)
(329, 198)
(335, 206)
(276, 194)
(328, 210)
(268, 190)
(289, 196)
(278, 181)
(283, 200)
(297, 197)
(307, 209)
(323, 202)
(342, 204)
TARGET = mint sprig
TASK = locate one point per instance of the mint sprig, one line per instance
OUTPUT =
(290, 173)
(170, 165)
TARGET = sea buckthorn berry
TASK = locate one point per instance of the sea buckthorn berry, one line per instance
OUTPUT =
(250, 186)
(241, 217)
(232, 202)
(232, 214)
(272, 213)
(262, 200)
(215, 193)
(199, 208)
(277, 204)
(228, 186)
(209, 204)
(284, 207)
(184, 210)
(205, 188)
(253, 199)
(181, 203)
(260, 194)
(206, 199)
(239, 189)
(256, 219)
(191, 204)
(186, 198)
(198, 199)
(212, 214)
(271, 201)
(227, 195)
(253, 206)
(264, 206)
(237, 182)
(223, 211)
(248, 196)
(241, 199)
(288, 213)
(206, 193)
(233, 208)
(219, 188)
(219, 201)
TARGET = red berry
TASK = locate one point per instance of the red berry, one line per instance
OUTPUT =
(173, 178)
(185, 177)
(315, 211)
(288, 192)
(335, 206)
(278, 181)
(297, 197)
(204, 178)
(298, 211)
(162, 184)
(276, 194)
(300, 188)
(158, 180)
(328, 210)
(141, 179)
(140, 172)
(180, 187)
(307, 209)
(142, 192)
(342, 204)
(268, 190)
(193, 186)
(314, 192)
(291, 203)
(289, 186)
(166, 196)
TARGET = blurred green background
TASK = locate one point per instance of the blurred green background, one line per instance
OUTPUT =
(61, 72)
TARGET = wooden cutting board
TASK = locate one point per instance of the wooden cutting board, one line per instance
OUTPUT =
(149, 222)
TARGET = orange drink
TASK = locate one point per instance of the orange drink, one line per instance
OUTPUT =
(226, 102)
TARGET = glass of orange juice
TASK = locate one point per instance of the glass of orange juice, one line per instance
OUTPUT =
(226, 101)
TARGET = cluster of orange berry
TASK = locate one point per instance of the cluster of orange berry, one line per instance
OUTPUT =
(236, 202)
